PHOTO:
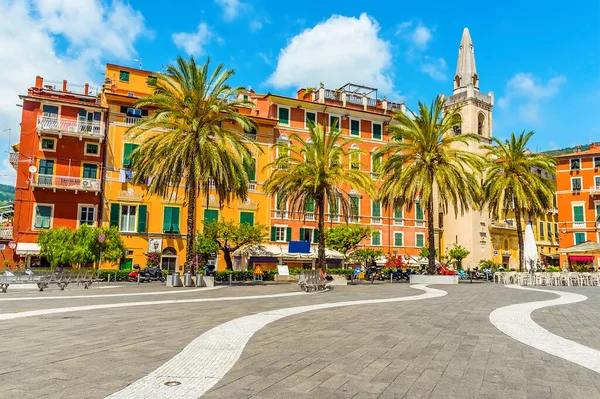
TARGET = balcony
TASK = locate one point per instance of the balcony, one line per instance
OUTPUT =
(13, 158)
(334, 217)
(595, 191)
(252, 187)
(6, 233)
(65, 183)
(70, 127)
(309, 216)
(281, 214)
(398, 222)
(376, 220)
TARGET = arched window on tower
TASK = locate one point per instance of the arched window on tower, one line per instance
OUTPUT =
(481, 124)
(456, 82)
(475, 80)
(458, 128)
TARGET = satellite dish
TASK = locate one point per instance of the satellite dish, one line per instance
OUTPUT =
(32, 169)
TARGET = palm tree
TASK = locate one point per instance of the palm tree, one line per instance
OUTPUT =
(423, 156)
(186, 140)
(516, 180)
(315, 170)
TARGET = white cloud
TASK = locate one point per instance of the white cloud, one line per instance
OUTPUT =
(266, 58)
(255, 25)
(418, 34)
(58, 40)
(336, 51)
(526, 92)
(193, 43)
(436, 68)
(231, 8)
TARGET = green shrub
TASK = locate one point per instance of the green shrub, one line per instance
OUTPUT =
(550, 269)
(121, 275)
(486, 263)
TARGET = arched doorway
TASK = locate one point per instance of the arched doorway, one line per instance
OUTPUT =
(169, 260)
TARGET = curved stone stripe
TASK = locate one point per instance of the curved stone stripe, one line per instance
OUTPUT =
(44, 312)
(201, 364)
(40, 298)
(515, 321)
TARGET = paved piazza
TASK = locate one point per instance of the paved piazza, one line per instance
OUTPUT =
(273, 341)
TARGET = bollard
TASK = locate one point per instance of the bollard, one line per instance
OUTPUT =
(138, 276)
(108, 278)
(230, 278)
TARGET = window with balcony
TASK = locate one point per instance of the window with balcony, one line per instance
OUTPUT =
(398, 216)
(283, 150)
(50, 111)
(376, 212)
(576, 184)
(575, 164)
(355, 127)
(376, 237)
(309, 209)
(90, 171)
(377, 131)
(43, 216)
(92, 149)
(250, 167)
(171, 220)
(211, 215)
(48, 144)
(398, 239)
(597, 182)
(283, 115)
(124, 76)
(419, 215)
(128, 218)
(128, 149)
(334, 123)
(45, 172)
(280, 207)
(247, 218)
(579, 238)
(549, 229)
(355, 208)
(578, 215)
(420, 240)
(354, 157)
(87, 215)
(309, 234)
(310, 118)
(375, 163)
(281, 233)
(541, 229)
(555, 230)
(334, 210)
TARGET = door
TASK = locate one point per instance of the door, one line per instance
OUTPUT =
(45, 172)
(169, 263)
(126, 264)
(506, 261)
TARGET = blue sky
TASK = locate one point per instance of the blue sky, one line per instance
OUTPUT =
(541, 61)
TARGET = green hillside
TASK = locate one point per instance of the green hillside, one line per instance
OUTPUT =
(567, 150)
(7, 193)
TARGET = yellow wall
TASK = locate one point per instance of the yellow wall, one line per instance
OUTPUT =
(116, 192)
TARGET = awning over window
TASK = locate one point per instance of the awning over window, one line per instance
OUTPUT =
(28, 248)
(581, 258)
(552, 256)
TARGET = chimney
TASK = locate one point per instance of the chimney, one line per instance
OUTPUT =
(595, 145)
(64, 86)
(39, 82)
(578, 148)
(87, 89)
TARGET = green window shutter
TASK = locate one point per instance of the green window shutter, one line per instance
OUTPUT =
(333, 207)
(115, 209)
(46, 167)
(579, 238)
(334, 123)
(167, 219)
(315, 236)
(284, 116)
(310, 205)
(43, 214)
(211, 215)
(355, 128)
(142, 209)
(301, 234)
(247, 218)
(124, 76)
(175, 220)
(90, 170)
(419, 212)
(420, 240)
(376, 209)
(598, 211)
(376, 162)
(356, 206)
(82, 114)
(376, 131)
(376, 238)
(250, 167)
(398, 213)
(578, 214)
(273, 233)
(398, 240)
(288, 234)
(127, 150)
(311, 117)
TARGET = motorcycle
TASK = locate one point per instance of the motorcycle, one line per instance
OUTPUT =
(151, 273)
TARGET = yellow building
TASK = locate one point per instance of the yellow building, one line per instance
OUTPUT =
(152, 223)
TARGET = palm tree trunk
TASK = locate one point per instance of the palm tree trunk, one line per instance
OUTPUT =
(321, 262)
(519, 236)
(430, 236)
(191, 218)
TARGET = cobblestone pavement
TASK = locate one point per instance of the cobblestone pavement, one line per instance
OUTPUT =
(435, 348)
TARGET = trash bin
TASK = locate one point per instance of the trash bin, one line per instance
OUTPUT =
(187, 279)
(176, 279)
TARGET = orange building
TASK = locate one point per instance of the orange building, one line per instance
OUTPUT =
(578, 197)
(358, 112)
(58, 162)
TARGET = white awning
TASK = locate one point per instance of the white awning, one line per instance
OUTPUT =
(28, 248)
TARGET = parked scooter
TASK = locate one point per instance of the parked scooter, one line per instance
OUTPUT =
(151, 273)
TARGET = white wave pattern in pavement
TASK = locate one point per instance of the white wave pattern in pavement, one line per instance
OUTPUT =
(201, 364)
(44, 312)
(515, 321)
(40, 298)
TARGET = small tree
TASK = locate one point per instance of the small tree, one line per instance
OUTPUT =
(367, 255)
(424, 252)
(395, 261)
(230, 236)
(57, 246)
(346, 237)
(457, 253)
(205, 248)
